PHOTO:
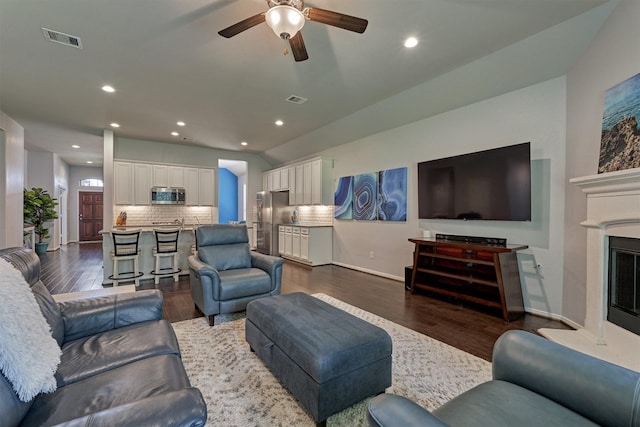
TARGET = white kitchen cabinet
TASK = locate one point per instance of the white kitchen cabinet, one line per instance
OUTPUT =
(284, 179)
(281, 239)
(295, 242)
(160, 175)
(322, 182)
(308, 245)
(142, 175)
(304, 244)
(175, 176)
(288, 240)
(192, 186)
(306, 184)
(292, 186)
(299, 190)
(275, 180)
(123, 183)
(207, 187)
(269, 181)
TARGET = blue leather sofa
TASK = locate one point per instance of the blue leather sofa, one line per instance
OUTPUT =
(535, 383)
(225, 275)
(120, 362)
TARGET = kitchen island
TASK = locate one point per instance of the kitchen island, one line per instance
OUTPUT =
(146, 244)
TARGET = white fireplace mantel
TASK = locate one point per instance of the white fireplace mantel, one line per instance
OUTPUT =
(613, 209)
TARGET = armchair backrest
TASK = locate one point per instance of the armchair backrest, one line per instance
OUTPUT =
(224, 246)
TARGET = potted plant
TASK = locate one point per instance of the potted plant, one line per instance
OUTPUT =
(39, 208)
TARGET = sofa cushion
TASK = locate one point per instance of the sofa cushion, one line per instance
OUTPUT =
(98, 353)
(138, 380)
(29, 356)
(503, 404)
(12, 410)
(50, 310)
(243, 283)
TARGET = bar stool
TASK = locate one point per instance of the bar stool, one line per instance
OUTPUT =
(166, 247)
(125, 248)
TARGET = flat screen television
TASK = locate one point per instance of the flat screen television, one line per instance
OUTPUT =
(485, 185)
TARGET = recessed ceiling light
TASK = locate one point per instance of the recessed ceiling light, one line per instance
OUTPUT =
(180, 123)
(75, 146)
(244, 143)
(108, 88)
(411, 42)
(175, 133)
(89, 161)
(115, 125)
(279, 122)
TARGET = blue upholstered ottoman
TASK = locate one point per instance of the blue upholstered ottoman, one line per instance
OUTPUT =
(327, 358)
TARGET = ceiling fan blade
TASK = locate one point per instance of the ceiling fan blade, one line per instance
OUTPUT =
(298, 48)
(340, 20)
(243, 25)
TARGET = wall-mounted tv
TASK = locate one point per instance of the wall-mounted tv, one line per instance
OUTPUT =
(485, 185)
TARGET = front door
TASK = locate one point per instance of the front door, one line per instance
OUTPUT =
(90, 215)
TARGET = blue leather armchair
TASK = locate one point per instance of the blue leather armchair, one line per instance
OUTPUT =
(536, 382)
(225, 275)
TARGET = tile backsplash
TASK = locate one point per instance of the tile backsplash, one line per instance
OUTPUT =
(147, 215)
(316, 215)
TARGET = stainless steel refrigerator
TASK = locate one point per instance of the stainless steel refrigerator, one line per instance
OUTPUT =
(272, 210)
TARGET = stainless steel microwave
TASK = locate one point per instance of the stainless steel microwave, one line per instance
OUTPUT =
(167, 196)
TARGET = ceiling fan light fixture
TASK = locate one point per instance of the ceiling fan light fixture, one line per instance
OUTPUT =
(285, 21)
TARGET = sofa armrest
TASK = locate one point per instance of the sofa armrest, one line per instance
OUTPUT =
(389, 410)
(205, 280)
(605, 393)
(272, 265)
(94, 315)
(185, 407)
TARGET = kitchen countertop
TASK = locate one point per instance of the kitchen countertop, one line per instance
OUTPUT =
(302, 224)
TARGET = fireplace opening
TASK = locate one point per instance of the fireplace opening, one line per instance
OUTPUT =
(624, 289)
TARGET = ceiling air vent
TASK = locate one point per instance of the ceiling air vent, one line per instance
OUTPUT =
(62, 38)
(296, 99)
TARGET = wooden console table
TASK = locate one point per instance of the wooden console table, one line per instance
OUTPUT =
(478, 273)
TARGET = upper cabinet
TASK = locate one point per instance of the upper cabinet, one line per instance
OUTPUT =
(123, 183)
(133, 183)
(200, 186)
(142, 175)
(308, 183)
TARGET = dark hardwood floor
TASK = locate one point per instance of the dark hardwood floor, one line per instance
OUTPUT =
(78, 267)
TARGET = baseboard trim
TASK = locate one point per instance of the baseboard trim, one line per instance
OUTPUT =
(368, 271)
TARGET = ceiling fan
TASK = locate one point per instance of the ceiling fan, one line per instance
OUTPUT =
(286, 18)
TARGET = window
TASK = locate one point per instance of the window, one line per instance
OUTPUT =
(91, 182)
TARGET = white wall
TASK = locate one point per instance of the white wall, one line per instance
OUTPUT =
(11, 181)
(535, 114)
(610, 59)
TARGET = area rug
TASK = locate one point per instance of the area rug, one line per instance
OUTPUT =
(240, 391)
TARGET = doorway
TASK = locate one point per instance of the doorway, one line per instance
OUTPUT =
(232, 199)
(90, 216)
(62, 214)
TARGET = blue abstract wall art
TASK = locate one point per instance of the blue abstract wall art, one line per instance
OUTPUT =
(343, 198)
(392, 195)
(365, 189)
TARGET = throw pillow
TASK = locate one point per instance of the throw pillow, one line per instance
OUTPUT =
(29, 356)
